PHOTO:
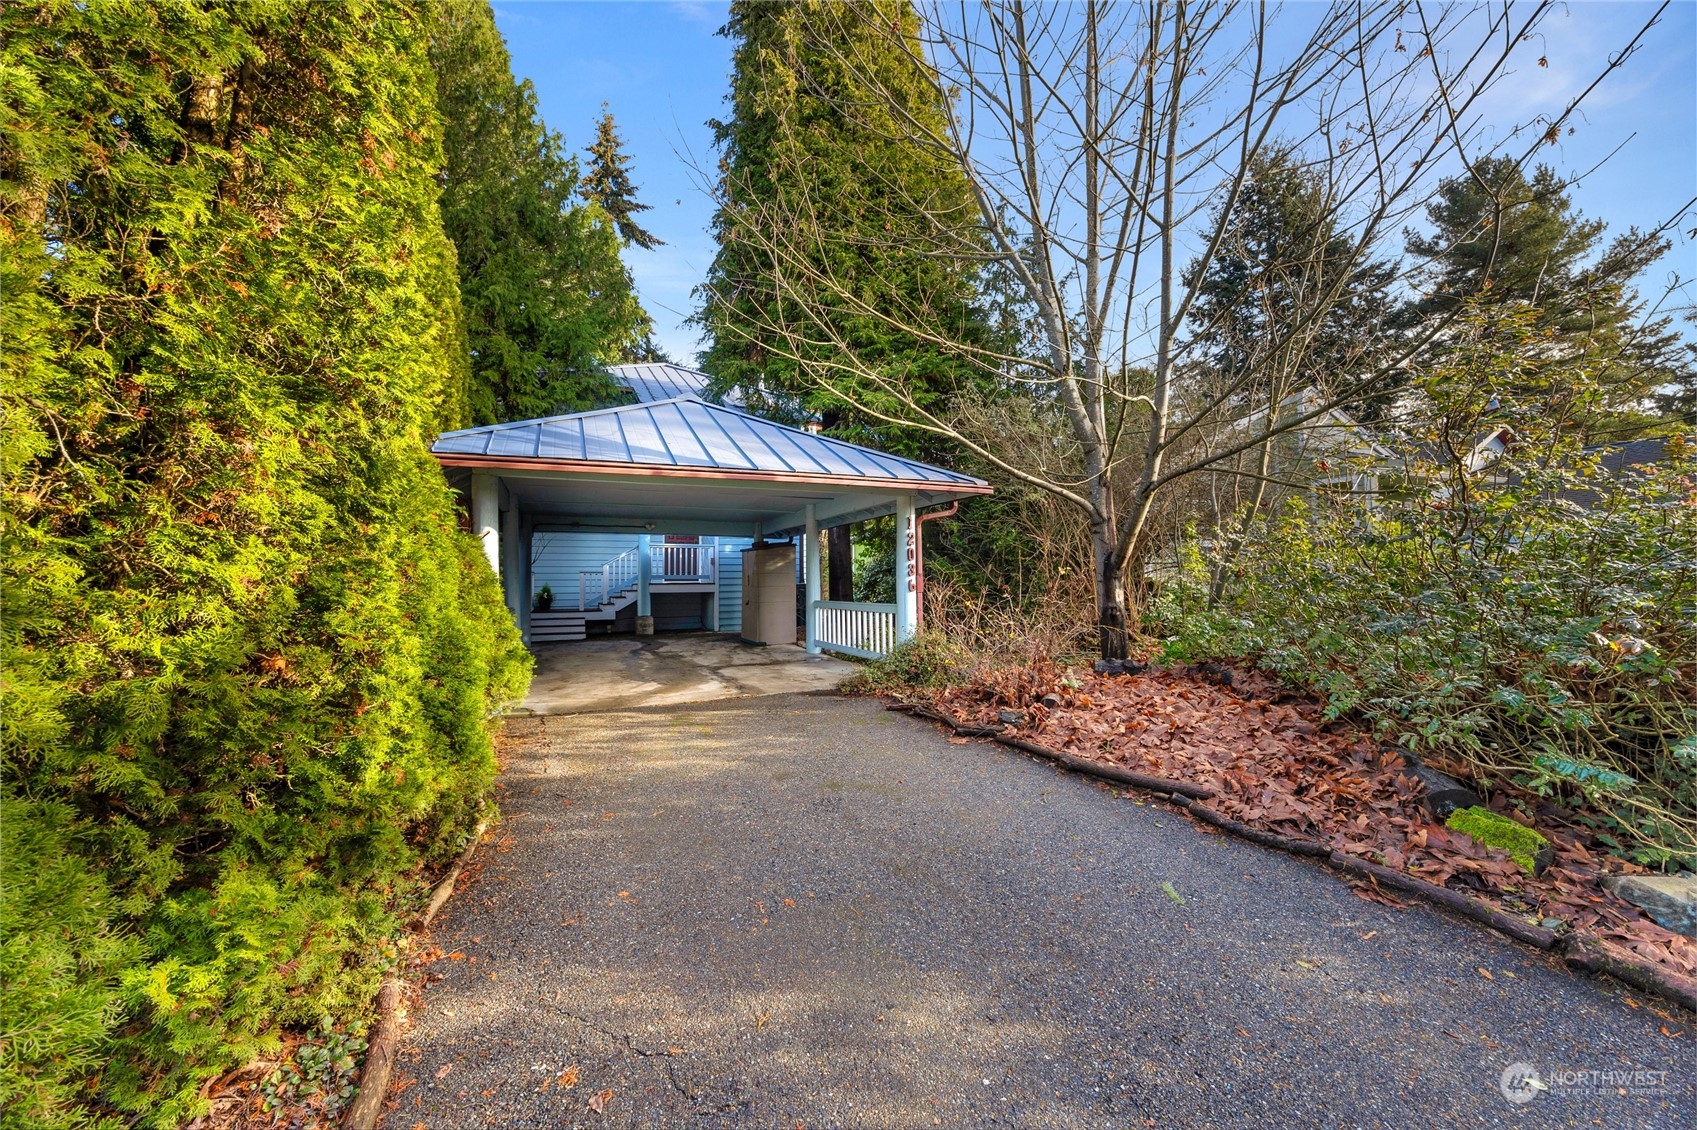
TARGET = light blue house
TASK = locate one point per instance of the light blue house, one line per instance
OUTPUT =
(676, 513)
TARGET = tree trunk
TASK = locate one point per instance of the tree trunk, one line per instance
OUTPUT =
(1110, 597)
(1217, 584)
(839, 568)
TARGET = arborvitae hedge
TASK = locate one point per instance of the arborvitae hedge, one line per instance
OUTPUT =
(250, 659)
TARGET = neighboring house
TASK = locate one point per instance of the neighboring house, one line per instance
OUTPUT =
(1618, 458)
(675, 512)
(1330, 450)
(1476, 453)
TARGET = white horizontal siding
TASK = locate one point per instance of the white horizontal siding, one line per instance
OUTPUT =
(559, 557)
(730, 582)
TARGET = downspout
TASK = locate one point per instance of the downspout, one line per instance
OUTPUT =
(919, 554)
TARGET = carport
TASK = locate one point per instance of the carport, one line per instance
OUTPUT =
(685, 466)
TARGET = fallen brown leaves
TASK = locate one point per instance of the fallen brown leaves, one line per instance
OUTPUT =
(1276, 764)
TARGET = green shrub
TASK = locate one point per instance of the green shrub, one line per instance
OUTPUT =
(1522, 843)
(61, 955)
(1486, 616)
(929, 659)
(251, 661)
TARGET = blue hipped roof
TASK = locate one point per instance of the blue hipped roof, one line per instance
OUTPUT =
(656, 381)
(687, 432)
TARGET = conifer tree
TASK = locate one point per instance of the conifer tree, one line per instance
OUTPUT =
(608, 184)
(1501, 238)
(548, 302)
(1284, 266)
(796, 115)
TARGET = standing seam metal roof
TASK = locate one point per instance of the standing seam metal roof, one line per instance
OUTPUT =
(685, 431)
(653, 382)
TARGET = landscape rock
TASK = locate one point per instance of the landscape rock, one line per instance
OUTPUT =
(1119, 667)
(1670, 899)
(1444, 794)
(1011, 717)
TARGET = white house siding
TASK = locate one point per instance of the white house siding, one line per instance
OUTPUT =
(730, 582)
(559, 558)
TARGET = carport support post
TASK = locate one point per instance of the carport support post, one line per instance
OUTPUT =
(527, 545)
(907, 583)
(486, 515)
(644, 578)
(812, 566)
(512, 574)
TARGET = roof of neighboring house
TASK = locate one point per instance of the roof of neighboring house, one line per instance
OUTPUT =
(1617, 457)
(687, 436)
(656, 381)
(1332, 428)
(1480, 450)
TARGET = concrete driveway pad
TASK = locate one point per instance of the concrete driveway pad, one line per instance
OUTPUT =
(624, 671)
(804, 910)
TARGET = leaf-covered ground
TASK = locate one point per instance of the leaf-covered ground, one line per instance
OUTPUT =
(1277, 764)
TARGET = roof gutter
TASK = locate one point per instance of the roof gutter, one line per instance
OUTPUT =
(590, 467)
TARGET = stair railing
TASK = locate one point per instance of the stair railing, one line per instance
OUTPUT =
(613, 578)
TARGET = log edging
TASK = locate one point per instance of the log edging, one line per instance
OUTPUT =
(1594, 956)
(379, 1066)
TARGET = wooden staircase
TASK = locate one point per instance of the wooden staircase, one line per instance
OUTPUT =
(556, 627)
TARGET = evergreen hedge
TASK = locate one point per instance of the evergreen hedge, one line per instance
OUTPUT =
(251, 661)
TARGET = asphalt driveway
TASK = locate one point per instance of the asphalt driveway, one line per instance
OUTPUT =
(804, 910)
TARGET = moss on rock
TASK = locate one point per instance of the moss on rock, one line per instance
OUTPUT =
(1522, 843)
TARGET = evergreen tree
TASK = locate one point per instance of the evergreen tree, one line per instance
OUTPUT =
(1287, 292)
(250, 658)
(1500, 238)
(801, 136)
(608, 184)
(548, 302)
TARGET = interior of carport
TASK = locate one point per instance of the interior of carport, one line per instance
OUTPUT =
(689, 468)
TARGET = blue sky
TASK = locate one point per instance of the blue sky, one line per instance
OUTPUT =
(663, 71)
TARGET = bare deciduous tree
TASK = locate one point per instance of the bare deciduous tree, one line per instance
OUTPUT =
(1106, 146)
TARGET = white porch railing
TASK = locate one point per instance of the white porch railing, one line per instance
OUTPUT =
(613, 578)
(688, 564)
(668, 564)
(866, 630)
